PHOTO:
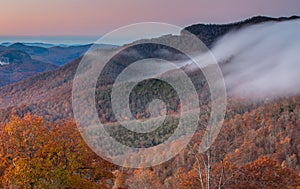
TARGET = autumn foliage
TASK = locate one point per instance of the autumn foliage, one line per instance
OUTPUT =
(37, 154)
(258, 147)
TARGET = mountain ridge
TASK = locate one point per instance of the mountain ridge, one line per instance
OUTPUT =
(17, 65)
(208, 33)
(34, 59)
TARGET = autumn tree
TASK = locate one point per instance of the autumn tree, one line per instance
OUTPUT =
(37, 154)
(264, 173)
(143, 179)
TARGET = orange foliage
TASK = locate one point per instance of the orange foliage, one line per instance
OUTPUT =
(36, 154)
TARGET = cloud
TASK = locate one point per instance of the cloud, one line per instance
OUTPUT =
(261, 60)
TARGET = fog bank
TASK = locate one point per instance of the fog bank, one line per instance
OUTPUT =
(261, 60)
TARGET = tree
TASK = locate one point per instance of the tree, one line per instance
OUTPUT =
(37, 154)
(264, 173)
(143, 179)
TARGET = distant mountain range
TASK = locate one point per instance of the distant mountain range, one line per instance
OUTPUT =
(19, 61)
(16, 65)
(49, 94)
(45, 45)
(48, 45)
(57, 55)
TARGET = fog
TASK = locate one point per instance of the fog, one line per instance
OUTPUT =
(261, 60)
(258, 61)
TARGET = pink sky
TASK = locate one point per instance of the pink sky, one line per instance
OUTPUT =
(96, 17)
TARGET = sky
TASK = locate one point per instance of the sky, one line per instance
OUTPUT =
(97, 17)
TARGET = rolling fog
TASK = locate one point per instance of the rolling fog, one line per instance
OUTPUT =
(261, 60)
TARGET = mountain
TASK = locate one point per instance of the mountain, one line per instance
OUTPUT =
(59, 55)
(37, 44)
(17, 65)
(45, 45)
(28, 49)
(55, 55)
(2, 47)
(19, 61)
(208, 33)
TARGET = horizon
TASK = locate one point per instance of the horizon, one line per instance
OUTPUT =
(94, 18)
(55, 40)
(89, 39)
